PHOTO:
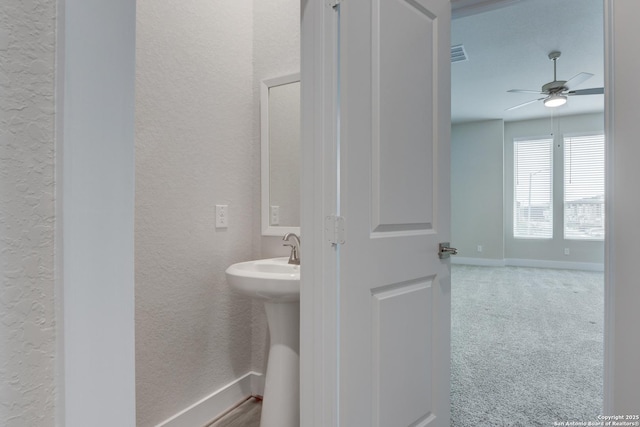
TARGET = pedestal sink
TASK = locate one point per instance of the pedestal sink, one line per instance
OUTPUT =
(277, 284)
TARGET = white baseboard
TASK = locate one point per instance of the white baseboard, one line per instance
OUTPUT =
(217, 403)
(257, 384)
(564, 265)
(537, 263)
(483, 262)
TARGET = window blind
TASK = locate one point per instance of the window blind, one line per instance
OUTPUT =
(584, 187)
(533, 189)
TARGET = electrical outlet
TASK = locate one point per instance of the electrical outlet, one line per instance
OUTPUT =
(566, 251)
(274, 215)
(222, 220)
(479, 248)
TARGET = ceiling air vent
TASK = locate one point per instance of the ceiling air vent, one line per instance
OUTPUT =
(458, 53)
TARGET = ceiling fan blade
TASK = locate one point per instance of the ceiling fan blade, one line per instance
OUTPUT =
(523, 104)
(537, 92)
(592, 91)
(577, 80)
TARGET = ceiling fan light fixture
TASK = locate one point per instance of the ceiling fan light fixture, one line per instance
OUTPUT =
(555, 100)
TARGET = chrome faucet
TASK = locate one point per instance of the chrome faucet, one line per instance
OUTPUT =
(294, 258)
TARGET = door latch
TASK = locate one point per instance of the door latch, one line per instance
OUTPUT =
(445, 251)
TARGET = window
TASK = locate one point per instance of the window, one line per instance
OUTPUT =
(533, 198)
(584, 187)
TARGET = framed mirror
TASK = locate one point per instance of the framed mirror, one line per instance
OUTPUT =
(280, 154)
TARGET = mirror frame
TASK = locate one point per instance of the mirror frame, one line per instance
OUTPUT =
(265, 173)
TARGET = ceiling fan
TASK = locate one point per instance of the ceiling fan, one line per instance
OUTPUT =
(557, 91)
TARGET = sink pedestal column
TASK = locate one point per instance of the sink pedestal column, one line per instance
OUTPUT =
(281, 405)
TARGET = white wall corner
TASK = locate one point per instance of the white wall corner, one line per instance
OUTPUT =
(219, 402)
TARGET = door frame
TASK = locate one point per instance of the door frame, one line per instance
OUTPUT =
(319, 372)
(609, 282)
(319, 300)
(94, 213)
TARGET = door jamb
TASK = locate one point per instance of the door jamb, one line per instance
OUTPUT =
(609, 277)
(318, 295)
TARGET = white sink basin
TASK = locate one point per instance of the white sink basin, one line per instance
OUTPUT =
(268, 279)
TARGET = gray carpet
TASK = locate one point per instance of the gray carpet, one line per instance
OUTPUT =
(527, 346)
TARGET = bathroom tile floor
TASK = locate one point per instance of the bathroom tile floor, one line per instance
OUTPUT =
(247, 414)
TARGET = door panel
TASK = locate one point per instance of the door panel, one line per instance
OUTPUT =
(398, 323)
(394, 195)
(404, 113)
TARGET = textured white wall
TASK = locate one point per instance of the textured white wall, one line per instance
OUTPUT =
(27, 324)
(194, 149)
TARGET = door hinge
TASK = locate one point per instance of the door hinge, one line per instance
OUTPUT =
(334, 229)
(334, 3)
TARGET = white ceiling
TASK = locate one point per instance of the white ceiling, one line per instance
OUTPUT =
(507, 49)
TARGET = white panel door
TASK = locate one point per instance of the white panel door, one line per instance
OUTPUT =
(394, 195)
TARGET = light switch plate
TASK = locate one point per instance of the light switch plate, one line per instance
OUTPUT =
(274, 215)
(222, 220)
